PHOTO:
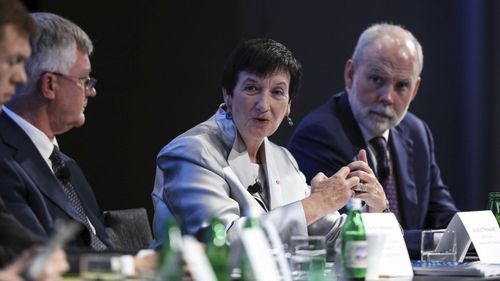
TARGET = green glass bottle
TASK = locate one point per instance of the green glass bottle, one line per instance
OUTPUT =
(354, 244)
(494, 204)
(170, 266)
(252, 222)
(218, 250)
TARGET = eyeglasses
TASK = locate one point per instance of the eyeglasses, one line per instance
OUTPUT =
(88, 82)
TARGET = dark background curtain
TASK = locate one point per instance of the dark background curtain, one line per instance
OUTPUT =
(159, 65)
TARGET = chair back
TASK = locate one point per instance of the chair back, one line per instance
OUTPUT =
(128, 229)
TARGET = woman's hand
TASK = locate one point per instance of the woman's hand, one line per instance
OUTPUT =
(369, 189)
(329, 194)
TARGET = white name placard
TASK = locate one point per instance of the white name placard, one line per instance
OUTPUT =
(259, 253)
(480, 228)
(394, 258)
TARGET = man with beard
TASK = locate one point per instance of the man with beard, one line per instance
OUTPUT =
(381, 80)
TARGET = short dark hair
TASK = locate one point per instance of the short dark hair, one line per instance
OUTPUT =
(261, 57)
(13, 12)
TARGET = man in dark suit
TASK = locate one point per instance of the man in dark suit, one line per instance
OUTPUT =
(42, 184)
(16, 27)
(381, 80)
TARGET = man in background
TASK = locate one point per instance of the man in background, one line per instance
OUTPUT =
(40, 184)
(381, 80)
(46, 185)
(16, 26)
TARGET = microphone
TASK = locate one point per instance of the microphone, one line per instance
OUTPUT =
(255, 188)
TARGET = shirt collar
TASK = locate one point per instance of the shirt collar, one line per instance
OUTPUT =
(367, 136)
(43, 144)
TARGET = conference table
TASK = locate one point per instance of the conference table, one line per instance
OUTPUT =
(450, 278)
(149, 275)
(415, 278)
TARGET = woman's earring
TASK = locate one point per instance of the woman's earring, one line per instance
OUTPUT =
(289, 120)
(229, 115)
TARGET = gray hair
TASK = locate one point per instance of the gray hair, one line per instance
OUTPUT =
(376, 31)
(53, 49)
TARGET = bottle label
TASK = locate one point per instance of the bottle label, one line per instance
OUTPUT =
(356, 254)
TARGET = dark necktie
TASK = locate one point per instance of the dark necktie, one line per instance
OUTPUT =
(62, 173)
(384, 173)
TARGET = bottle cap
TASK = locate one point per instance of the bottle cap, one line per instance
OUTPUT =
(354, 204)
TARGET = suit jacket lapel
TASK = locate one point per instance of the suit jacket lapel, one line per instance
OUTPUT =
(48, 184)
(405, 178)
(240, 193)
(27, 156)
(276, 195)
(239, 161)
(83, 193)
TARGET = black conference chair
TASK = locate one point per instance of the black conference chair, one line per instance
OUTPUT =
(128, 229)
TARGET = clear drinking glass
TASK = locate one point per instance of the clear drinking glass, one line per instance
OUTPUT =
(307, 256)
(439, 245)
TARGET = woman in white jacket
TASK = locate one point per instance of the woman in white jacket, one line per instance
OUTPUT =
(226, 164)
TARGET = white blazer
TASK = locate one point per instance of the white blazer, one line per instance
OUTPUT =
(205, 172)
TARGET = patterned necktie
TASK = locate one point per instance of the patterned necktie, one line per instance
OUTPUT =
(62, 173)
(385, 175)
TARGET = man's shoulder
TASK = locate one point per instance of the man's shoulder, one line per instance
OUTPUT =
(12, 135)
(325, 109)
(8, 167)
(11, 141)
(7, 128)
(325, 114)
(412, 123)
(327, 120)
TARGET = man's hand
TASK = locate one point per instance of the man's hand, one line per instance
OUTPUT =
(369, 189)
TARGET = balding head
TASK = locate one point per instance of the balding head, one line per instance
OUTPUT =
(385, 36)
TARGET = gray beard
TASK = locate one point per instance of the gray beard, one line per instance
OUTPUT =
(364, 119)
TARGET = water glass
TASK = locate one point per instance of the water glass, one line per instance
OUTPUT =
(439, 245)
(102, 267)
(307, 256)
